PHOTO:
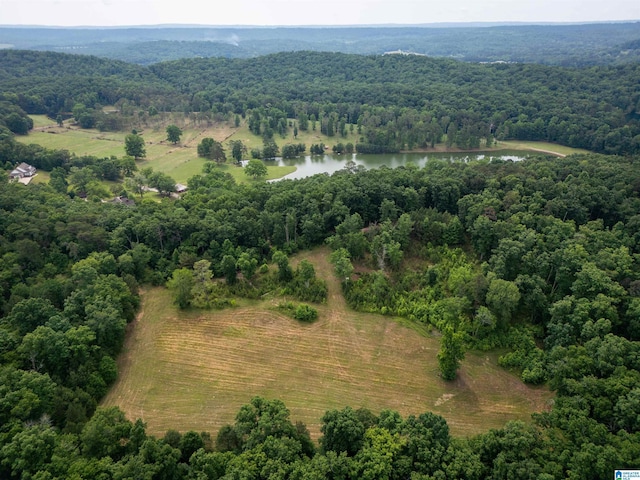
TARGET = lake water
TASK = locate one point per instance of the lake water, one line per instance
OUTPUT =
(313, 164)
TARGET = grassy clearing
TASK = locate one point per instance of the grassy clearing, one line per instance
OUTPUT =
(42, 121)
(193, 370)
(179, 161)
(41, 177)
(544, 147)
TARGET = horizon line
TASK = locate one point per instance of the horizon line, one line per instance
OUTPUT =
(449, 24)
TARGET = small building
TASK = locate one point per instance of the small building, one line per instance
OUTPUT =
(21, 171)
(123, 201)
(180, 188)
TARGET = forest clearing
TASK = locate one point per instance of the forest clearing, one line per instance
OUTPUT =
(192, 370)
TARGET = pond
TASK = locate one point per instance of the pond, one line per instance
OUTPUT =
(329, 163)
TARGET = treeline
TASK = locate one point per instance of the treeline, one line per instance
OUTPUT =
(397, 102)
(539, 257)
(412, 101)
(588, 44)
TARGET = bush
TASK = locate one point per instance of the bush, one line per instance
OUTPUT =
(302, 312)
(305, 313)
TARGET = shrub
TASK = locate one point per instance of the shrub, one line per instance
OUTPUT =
(305, 313)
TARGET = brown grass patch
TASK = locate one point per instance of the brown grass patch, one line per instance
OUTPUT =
(193, 370)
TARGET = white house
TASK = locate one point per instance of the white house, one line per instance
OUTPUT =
(23, 170)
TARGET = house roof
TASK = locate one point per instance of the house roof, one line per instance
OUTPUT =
(22, 169)
(25, 166)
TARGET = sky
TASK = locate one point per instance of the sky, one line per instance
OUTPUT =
(309, 12)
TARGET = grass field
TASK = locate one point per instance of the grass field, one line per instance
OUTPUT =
(543, 147)
(180, 161)
(194, 369)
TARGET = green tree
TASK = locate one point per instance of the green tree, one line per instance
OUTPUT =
(263, 418)
(134, 146)
(162, 182)
(18, 124)
(306, 272)
(45, 350)
(201, 288)
(342, 264)
(255, 169)
(502, 298)
(127, 165)
(247, 265)
(238, 150)
(269, 148)
(285, 274)
(173, 134)
(81, 178)
(342, 431)
(451, 352)
(29, 452)
(58, 180)
(28, 314)
(180, 284)
(377, 457)
(190, 442)
(212, 149)
(228, 267)
(106, 434)
(137, 184)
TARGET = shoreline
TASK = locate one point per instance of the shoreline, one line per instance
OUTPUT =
(500, 148)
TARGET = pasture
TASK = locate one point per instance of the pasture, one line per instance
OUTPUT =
(179, 161)
(542, 147)
(192, 370)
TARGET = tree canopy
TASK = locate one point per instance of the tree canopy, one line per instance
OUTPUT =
(134, 146)
(538, 258)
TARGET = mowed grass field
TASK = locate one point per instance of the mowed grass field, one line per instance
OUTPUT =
(542, 147)
(193, 370)
(179, 161)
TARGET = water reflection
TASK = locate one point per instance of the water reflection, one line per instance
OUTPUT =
(314, 164)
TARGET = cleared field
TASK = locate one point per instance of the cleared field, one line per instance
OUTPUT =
(543, 147)
(41, 121)
(179, 161)
(193, 370)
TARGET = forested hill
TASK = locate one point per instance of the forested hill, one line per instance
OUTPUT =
(539, 256)
(398, 101)
(589, 44)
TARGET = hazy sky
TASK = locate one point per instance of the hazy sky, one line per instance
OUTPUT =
(308, 12)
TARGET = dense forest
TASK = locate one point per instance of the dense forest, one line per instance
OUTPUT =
(539, 258)
(554, 44)
(397, 102)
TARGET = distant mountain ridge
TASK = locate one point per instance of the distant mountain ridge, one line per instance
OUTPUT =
(552, 44)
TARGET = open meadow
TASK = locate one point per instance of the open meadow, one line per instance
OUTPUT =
(179, 161)
(542, 147)
(192, 370)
